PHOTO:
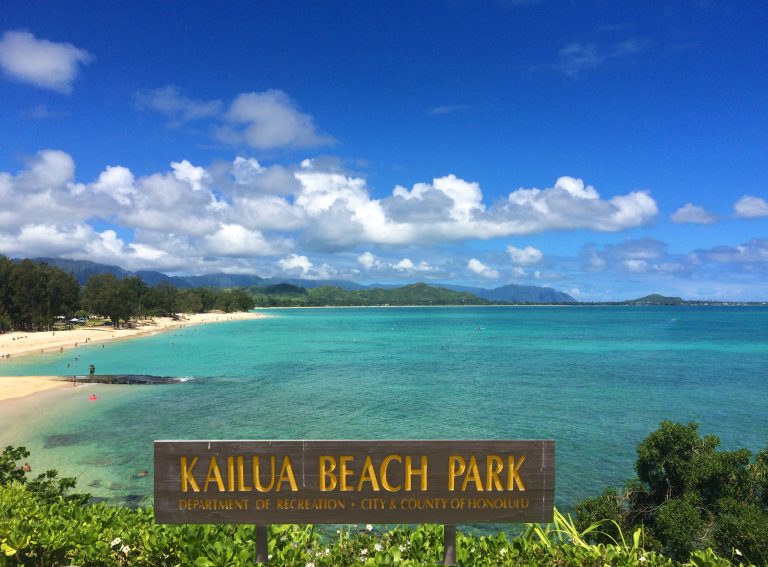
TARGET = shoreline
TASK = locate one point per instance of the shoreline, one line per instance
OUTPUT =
(13, 388)
(19, 343)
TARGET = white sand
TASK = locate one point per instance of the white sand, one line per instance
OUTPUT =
(19, 344)
(20, 386)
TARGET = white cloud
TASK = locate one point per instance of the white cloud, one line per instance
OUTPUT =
(40, 62)
(296, 263)
(367, 260)
(169, 101)
(268, 120)
(235, 240)
(233, 213)
(569, 205)
(370, 262)
(465, 198)
(750, 207)
(525, 256)
(477, 267)
(637, 266)
(48, 170)
(246, 171)
(117, 182)
(197, 177)
(690, 213)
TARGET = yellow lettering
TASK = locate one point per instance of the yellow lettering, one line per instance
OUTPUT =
(411, 472)
(231, 474)
(187, 480)
(344, 472)
(257, 476)
(368, 475)
(327, 478)
(241, 476)
(456, 466)
(286, 474)
(514, 473)
(493, 466)
(214, 474)
(474, 472)
(383, 472)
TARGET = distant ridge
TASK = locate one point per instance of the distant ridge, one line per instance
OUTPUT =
(84, 269)
(513, 293)
(656, 299)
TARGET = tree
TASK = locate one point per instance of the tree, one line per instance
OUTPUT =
(163, 298)
(235, 299)
(689, 495)
(189, 302)
(5, 293)
(116, 299)
(47, 486)
(33, 294)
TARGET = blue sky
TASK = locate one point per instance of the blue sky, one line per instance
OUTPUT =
(605, 149)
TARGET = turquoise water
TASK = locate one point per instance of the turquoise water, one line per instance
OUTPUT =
(597, 380)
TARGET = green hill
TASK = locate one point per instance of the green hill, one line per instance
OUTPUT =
(656, 299)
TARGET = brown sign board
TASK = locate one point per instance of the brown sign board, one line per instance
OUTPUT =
(343, 482)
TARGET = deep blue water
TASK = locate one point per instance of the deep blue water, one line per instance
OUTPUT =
(597, 380)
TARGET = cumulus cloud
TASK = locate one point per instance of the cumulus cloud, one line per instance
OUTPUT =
(243, 210)
(477, 267)
(236, 240)
(268, 120)
(524, 256)
(750, 207)
(371, 263)
(197, 177)
(261, 120)
(41, 62)
(296, 263)
(367, 260)
(693, 214)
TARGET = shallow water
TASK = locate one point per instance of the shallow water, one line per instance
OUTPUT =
(597, 380)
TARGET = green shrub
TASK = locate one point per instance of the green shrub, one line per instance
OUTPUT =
(42, 527)
(690, 496)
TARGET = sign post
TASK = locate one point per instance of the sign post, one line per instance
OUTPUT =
(349, 482)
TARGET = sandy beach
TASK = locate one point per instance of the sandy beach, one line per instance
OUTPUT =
(17, 344)
(20, 386)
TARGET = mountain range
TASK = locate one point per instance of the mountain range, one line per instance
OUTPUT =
(84, 269)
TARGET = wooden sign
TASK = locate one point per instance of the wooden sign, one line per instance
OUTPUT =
(340, 482)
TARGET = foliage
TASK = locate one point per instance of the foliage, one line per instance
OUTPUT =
(286, 295)
(64, 533)
(118, 300)
(42, 527)
(46, 487)
(32, 295)
(689, 496)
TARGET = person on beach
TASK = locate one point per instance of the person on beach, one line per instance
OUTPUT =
(92, 369)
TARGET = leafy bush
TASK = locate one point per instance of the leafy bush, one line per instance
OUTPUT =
(690, 496)
(41, 525)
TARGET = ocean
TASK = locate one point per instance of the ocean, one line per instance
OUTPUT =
(597, 380)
